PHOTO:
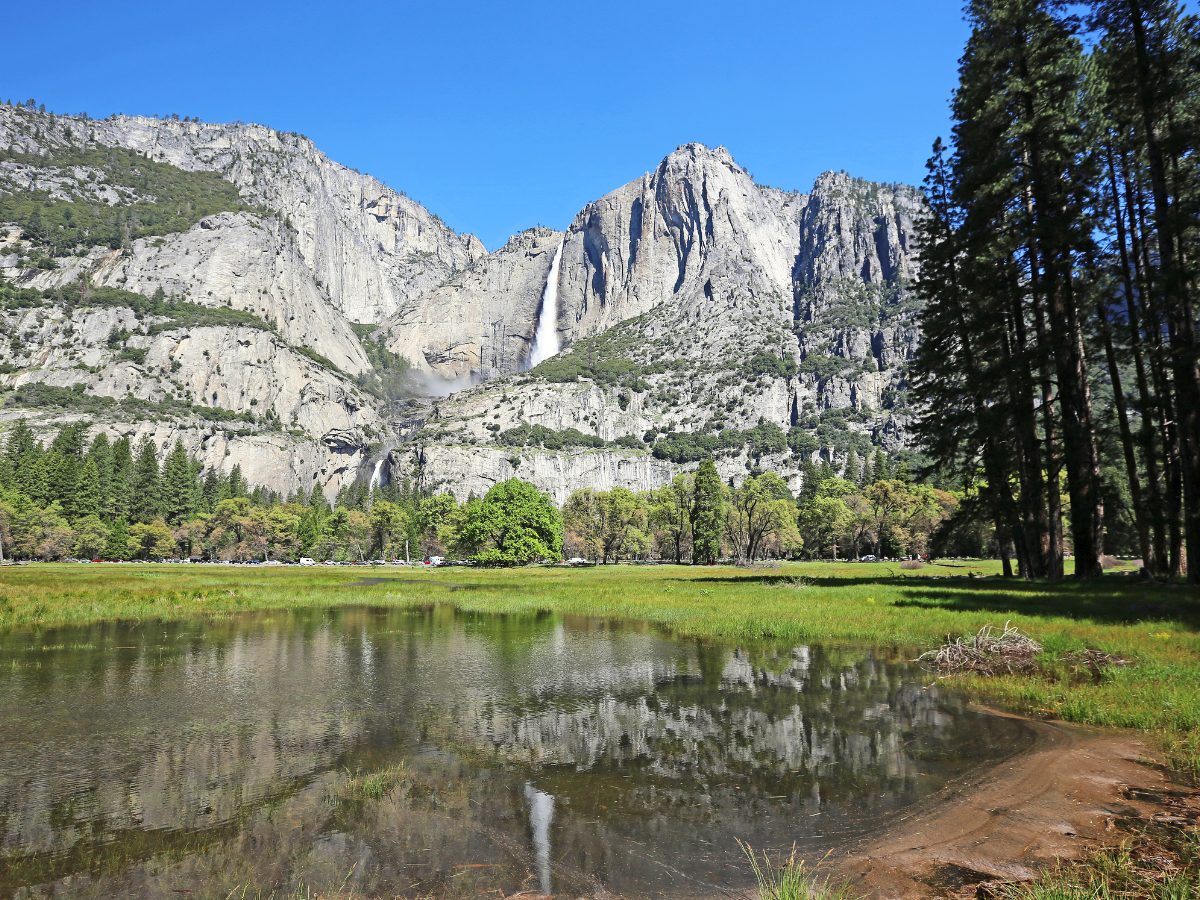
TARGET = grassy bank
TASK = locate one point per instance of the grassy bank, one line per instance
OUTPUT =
(1156, 627)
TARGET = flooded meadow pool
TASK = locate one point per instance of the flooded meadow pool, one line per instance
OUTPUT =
(431, 752)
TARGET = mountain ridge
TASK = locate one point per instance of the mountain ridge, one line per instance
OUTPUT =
(704, 303)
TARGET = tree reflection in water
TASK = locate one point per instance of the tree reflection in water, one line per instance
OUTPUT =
(431, 751)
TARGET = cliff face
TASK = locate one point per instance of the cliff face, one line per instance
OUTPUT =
(696, 232)
(370, 249)
(481, 322)
(690, 301)
(312, 247)
(238, 260)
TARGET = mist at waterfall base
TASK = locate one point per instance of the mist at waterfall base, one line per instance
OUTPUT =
(545, 338)
(435, 386)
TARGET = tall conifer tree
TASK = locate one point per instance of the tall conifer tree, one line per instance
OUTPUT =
(145, 502)
(708, 513)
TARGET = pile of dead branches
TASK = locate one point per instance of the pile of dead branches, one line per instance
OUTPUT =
(988, 652)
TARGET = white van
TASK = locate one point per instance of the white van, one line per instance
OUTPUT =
(305, 561)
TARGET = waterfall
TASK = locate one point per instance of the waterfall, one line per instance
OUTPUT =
(545, 338)
(377, 476)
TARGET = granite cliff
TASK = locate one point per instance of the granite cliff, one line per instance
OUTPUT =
(700, 311)
(697, 311)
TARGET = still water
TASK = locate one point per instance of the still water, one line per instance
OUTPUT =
(439, 753)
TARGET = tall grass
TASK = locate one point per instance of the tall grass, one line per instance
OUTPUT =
(792, 879)
(1107, 875)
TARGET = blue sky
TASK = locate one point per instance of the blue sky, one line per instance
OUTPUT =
(499, 116)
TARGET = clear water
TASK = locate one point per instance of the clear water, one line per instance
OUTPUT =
(540, 753)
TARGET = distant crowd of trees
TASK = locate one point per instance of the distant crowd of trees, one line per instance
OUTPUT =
(111, 500)
(1058, 372)
(699, 518)
(152, 198)
(114, 500)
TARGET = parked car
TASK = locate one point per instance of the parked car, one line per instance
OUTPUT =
(305, 561)
(868, 558)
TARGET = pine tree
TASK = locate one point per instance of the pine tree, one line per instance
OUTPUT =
(118, 541)
(34, 480)
(211, 493)
(1150, 57)
(879, 467)
(177, 486)
(197, 470)
(146, 497)
(237, 484)
(708, 514)
(100, 455)
(317, 498)
(88, 497)
(853, 472)
(62, 478)
(117, 504)
(69, 440)
(20, 443)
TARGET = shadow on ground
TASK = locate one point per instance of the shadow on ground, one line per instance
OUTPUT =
(1113, 600)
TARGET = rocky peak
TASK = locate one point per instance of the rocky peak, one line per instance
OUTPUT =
(372, 249)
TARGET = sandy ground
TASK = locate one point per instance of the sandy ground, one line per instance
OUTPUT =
(1076, 789)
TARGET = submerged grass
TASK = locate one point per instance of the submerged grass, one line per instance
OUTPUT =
(1155, 627)
(370, 785)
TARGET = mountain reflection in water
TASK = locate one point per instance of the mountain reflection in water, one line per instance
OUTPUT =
(435, 752)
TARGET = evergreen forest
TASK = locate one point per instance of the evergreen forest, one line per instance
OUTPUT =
(1057, 374)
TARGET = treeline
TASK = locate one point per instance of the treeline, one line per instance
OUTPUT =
(1059, 273)
(698, 518)
(177, 312)
(714, 439)
(112, 500)
(103, 498)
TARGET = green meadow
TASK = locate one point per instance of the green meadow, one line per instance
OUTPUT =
(1155, 628)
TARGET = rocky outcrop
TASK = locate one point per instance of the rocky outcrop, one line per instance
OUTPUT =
(697, 232)
(711, 302)
(481, 322)
(299, 423)
(371, 249)
(233, 259)
(466, 470)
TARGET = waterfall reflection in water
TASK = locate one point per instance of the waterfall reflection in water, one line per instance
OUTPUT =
(541, 814)
(423, 751)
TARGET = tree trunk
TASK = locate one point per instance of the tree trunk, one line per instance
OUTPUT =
(1185, 352)
(1054, 561)
(1133, 276)
(1081, 458)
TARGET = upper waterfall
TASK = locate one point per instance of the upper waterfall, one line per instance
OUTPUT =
(545, 338)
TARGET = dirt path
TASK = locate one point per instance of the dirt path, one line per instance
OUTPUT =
(1061, 798)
